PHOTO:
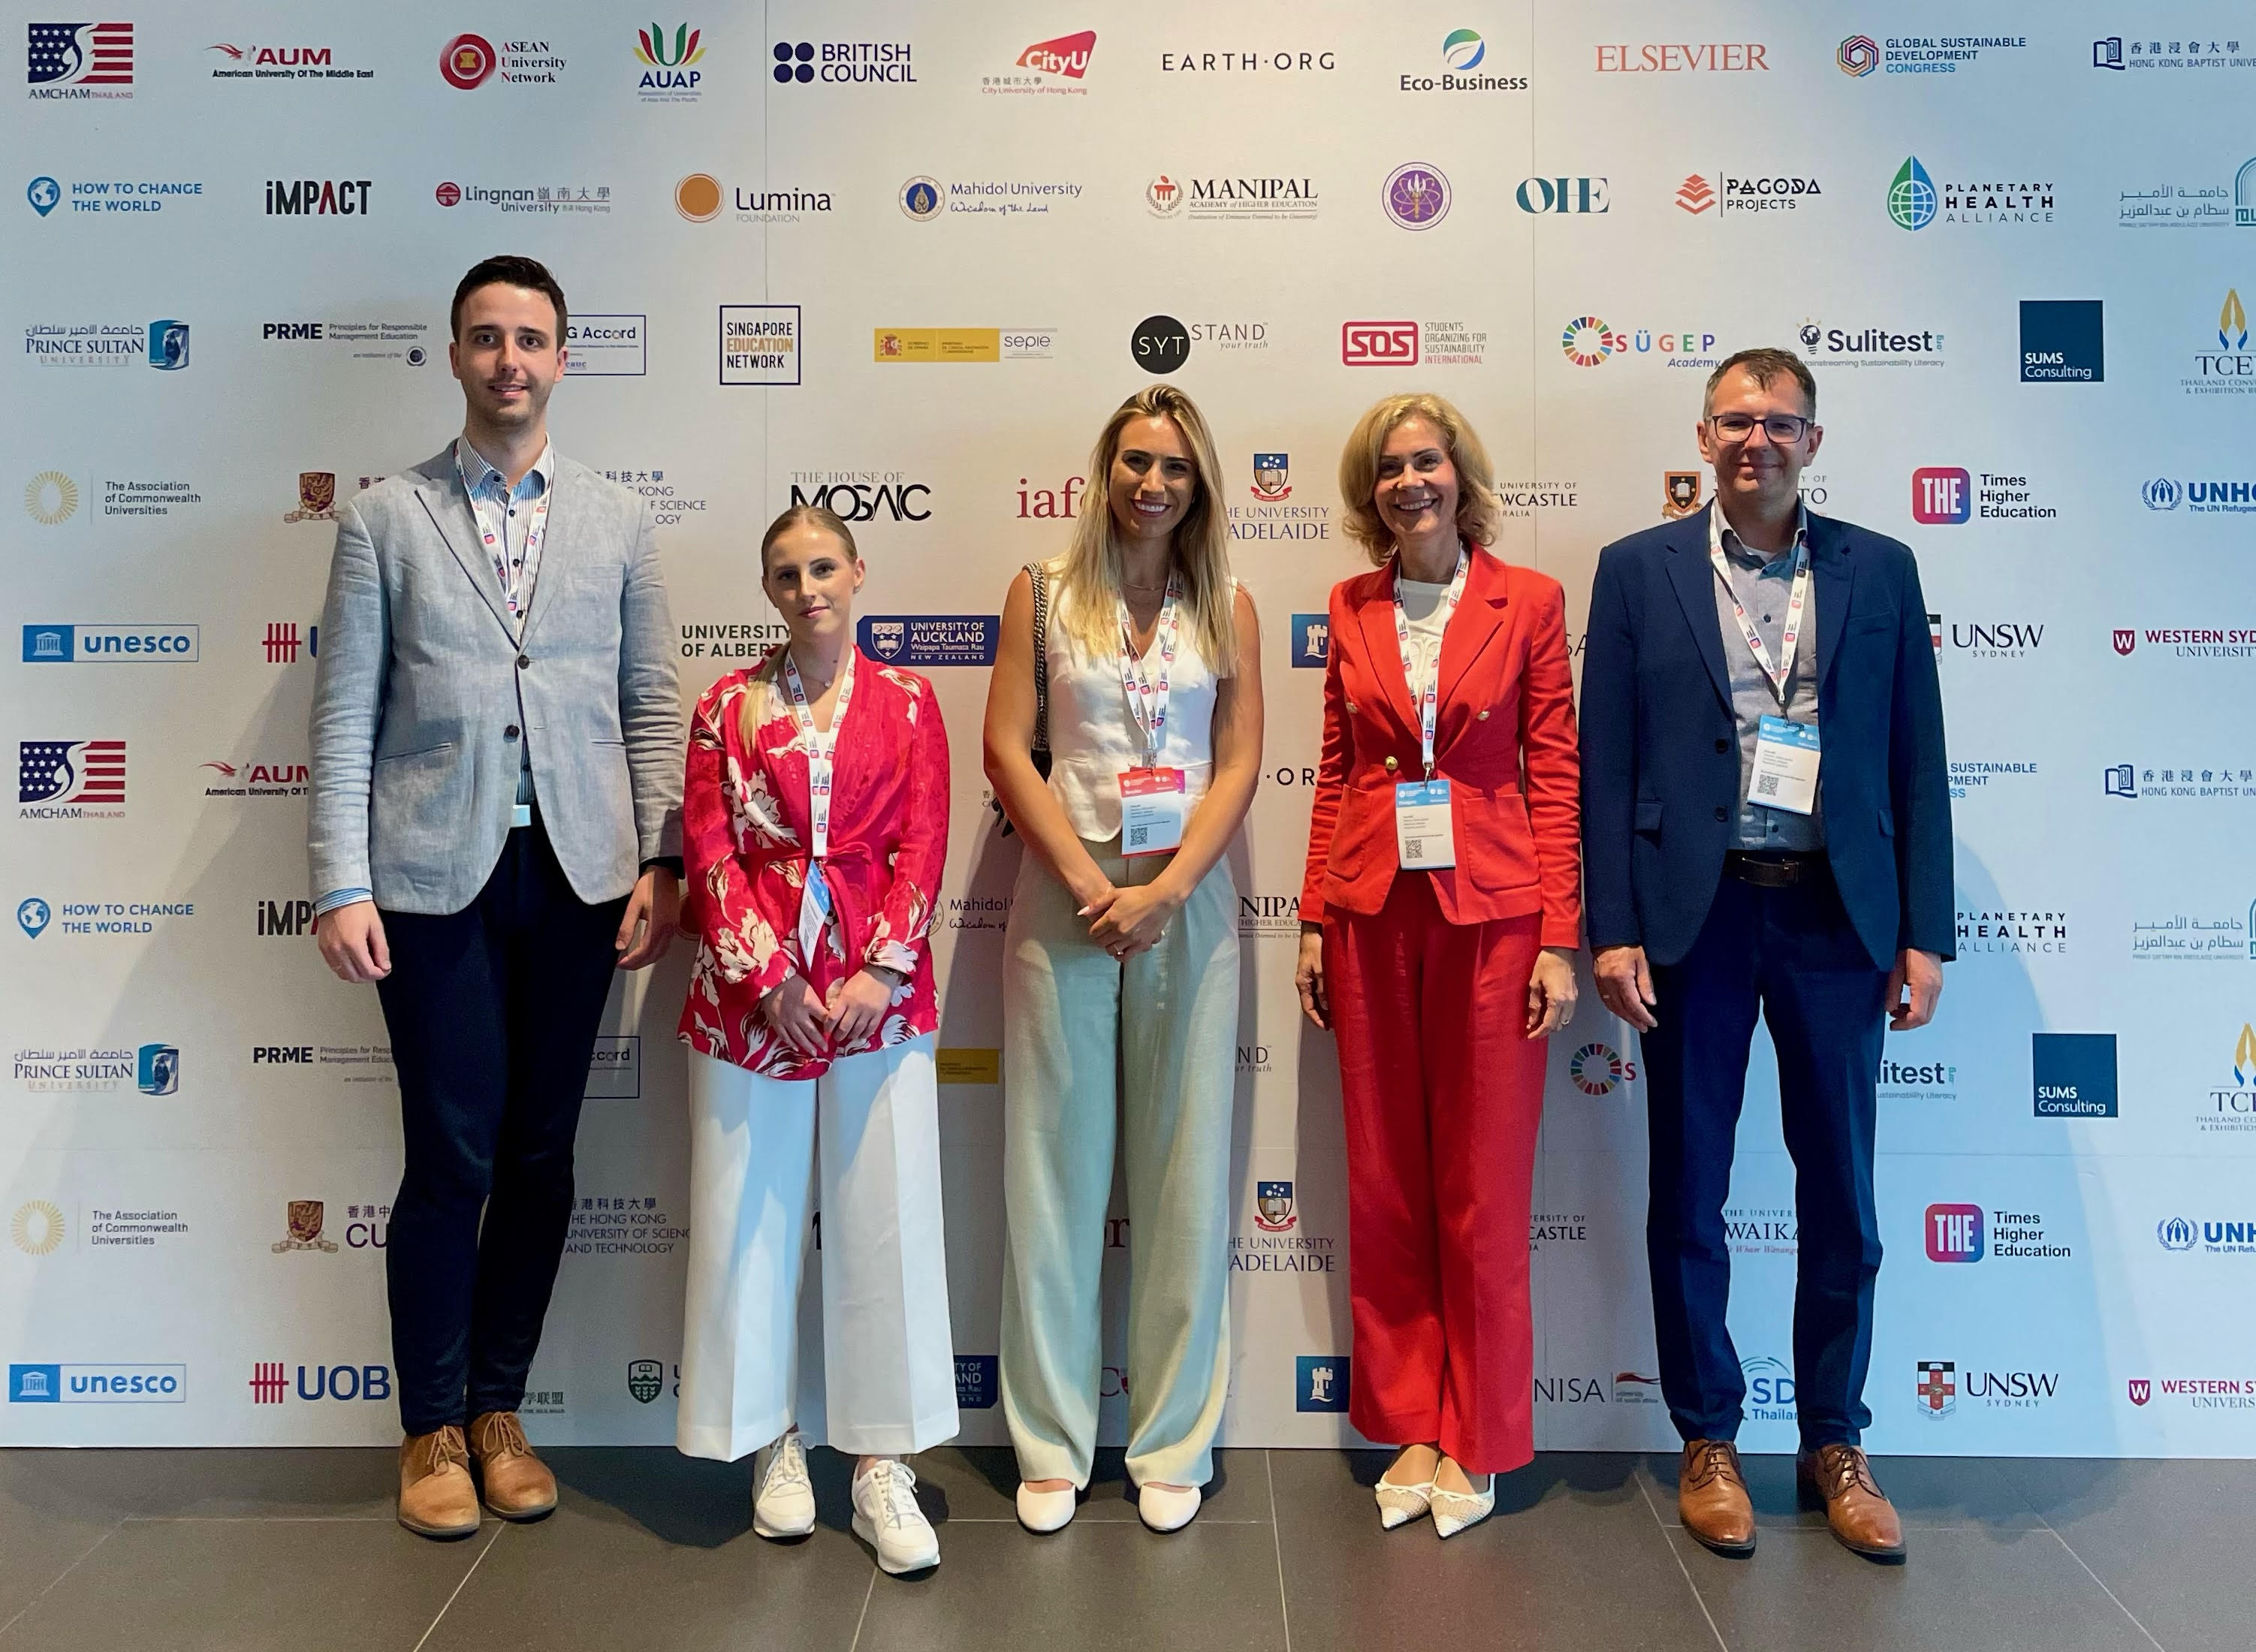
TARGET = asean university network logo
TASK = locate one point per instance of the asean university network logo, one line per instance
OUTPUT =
(467, 62)
(1911, 196)
(1416, 195)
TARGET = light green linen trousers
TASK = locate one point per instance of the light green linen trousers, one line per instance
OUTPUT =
(1146, 1052)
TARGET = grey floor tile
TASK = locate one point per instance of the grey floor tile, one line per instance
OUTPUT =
(1997, 1590)
(668, 1562)
(1571, 1558)
(1927, 1491)
(2170, 1538)
(981, 1482)
(238, 1585)
(1096, 1586)
(55, 1507)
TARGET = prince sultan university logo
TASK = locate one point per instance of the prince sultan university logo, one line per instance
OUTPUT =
(305, 1229)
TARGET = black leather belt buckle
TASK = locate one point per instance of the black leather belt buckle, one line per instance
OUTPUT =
(1770, 872)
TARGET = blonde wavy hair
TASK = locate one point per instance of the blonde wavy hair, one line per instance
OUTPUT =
(1088, 572)
(752, 710)
(1478, 510)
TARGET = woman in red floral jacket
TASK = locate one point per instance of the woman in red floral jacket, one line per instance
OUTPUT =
(815, 825)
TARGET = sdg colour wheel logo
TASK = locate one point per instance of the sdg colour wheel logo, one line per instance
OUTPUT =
(1588, 342)
(1596, 1069)
(1911, 196)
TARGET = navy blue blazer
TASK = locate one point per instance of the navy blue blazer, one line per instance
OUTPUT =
(1660, 751)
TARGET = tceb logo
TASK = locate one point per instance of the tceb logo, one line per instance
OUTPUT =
(269, 1384)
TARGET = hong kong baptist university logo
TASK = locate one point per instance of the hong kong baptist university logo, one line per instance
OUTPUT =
(305, 1233)
(1272, 1206)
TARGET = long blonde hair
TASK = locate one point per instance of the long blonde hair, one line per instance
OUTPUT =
(1089, 570)
(751, 711)
(1478, 510)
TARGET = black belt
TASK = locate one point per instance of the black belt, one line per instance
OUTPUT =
(1773, 871)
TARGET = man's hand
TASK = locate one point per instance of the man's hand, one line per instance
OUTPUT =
(1915, 985)
(1625, 985)
(655, 907)
(351, 939)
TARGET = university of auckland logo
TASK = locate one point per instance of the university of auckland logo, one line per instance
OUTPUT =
(888, 637)
(1272, 1207)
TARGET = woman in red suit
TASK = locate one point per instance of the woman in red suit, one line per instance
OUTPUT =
(1438, 920)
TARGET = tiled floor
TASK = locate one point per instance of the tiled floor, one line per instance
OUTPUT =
(240, 1551)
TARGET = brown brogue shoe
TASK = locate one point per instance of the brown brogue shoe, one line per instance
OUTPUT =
(518, 1484)
(1856, 1507)
(436, 1497)
(1711, 1497)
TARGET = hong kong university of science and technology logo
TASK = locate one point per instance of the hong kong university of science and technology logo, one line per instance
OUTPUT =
(1272, 1207)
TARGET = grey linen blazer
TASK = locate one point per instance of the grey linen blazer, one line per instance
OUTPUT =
(422, 694)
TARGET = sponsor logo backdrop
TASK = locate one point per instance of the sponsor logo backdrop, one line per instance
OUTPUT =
(908, 257)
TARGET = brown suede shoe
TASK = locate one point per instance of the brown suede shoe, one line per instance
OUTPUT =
(1858, 1510)
(436, 1497)
(517, 1485)
(1711, 1497)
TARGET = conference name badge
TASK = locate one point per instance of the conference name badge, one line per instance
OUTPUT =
(1151, 811)
(1425, 833)
(1785, 766)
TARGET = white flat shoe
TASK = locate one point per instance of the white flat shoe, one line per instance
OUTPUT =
(1163, 1508)
(783, 1505)
(1454, 1511)
(1398, 1505)
(886, 1517)
(1046, 1511)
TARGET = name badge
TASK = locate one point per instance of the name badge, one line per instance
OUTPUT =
(1151, 811)
(1785, 766)
(1425, 833)
(814, 916)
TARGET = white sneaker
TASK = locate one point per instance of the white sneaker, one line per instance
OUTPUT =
(1046, 1511)
(1165, 1508)
(887, 1518)
(783, 1507)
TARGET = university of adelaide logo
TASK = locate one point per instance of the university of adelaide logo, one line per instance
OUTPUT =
(1273, 1205)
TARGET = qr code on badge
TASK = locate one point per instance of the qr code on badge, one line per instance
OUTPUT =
(1138, 836)
(1766, 786)
(1413, 849)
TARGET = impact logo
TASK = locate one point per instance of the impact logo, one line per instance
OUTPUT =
(1272, 1207)
(79, 60)
(1320, 1382)
(1597, 1069)
(1938, 1388)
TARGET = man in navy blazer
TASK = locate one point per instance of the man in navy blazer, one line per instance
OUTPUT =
(1766, 829)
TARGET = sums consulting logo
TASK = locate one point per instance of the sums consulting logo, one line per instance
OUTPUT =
(2073, 1074)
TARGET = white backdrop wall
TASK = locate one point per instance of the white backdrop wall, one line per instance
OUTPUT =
(949, 234)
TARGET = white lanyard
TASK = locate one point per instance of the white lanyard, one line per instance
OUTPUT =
(1797, 599)
(1427, 696)
(496, 543)
(1147, 702)
(821, 748)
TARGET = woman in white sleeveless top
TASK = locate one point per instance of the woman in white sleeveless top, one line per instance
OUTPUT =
(1120, 978)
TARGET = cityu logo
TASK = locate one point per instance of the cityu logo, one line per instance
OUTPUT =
(1067, 55)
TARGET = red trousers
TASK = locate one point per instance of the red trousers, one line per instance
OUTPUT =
(1443, 1093)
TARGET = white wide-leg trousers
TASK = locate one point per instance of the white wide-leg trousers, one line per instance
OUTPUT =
(870, 1128)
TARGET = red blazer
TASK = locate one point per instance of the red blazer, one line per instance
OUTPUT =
(1503, 737)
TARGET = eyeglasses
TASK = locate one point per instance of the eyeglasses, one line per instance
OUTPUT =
(1783, 429)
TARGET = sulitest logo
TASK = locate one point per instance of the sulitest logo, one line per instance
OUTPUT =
(1954, 1232)
(1941, 495)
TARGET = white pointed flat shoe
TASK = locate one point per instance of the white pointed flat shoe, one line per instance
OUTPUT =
(1454, 1511)
(1398, 1505)
(1165, 1508)
(1045, 1511)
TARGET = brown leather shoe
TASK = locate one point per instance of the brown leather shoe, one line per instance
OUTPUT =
(517, 1485)
(436, 1497)
(1856, 1508)
(1711, 1497)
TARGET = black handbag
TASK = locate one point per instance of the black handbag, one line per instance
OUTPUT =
(1040, 749)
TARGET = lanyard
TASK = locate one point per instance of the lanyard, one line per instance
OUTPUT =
(1797, 599)
(1147, 702)
(1427, 697)
(496, 543)
(821, 748)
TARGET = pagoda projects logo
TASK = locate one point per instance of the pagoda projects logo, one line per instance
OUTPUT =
(2072, 1074)
(1726, 194)
(1941, 1385)
(1047, 68)
(2230, 1109)
(469, 62)
(667, 63)
(1272, 513)
(2229, 369)
(1280, 1243)
(2063, 341)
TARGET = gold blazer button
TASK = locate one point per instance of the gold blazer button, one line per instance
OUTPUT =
(1391, 765)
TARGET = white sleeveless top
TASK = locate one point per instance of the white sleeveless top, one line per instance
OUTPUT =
(1093, 735)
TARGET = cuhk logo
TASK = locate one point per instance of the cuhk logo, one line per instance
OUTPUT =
(645, 1380)
(2175, 1233)
(2163, 494)
(1378, 344)
(1938, 1388)
(2140, 1390)
(1311, 635)
(1954, 1232)
(1320, 1382)
(1272, 1207)
(1941, 493)
(2125, 640)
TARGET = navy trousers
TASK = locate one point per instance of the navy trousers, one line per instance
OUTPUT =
(1791, 955)
(493, 1012)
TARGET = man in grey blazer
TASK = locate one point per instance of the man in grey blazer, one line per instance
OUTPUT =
(496, 828)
